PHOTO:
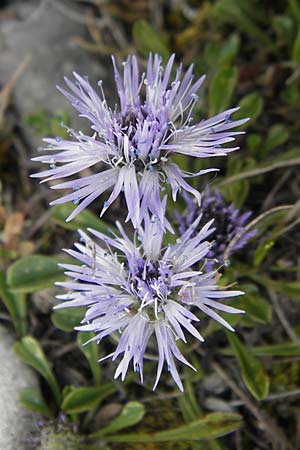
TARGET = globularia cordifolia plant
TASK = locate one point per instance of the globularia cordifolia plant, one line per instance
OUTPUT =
(148, 292)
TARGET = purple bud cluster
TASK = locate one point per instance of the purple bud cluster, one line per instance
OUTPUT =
(229, 223)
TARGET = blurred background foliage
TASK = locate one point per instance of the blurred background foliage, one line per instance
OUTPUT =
(245, 394)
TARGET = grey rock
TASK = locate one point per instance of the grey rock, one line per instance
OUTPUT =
(16, 423)
(216, 404)
(214, 383)
(46, 35)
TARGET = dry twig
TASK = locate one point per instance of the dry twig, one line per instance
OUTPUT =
(7, 89)
(282, 317)
(259, 171)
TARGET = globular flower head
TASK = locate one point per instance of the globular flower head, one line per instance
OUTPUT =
(132, 145)
(143, 291)
(229, 223)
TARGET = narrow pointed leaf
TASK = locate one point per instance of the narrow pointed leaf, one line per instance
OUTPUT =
(285, 349)
(91, 352)
(221, 89)
(209, 427)
(15, 304)
(252, 371)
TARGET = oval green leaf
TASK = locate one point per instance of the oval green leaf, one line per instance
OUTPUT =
(30, 351)
(131, 414)
(81, 399)
(221, 89)
(86, 219)
(32, 399)
(67, 319)
(33, 273)
(278, 134)
(250, 106)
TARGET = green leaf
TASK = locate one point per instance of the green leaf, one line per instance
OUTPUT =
(33, 273)
(190, 410)
(289, 288)
(81, 399)
(131, 414)
(243, 15)
(15, 304)
(147, 40)
(214, 54)
(296, 48)
(188, 403)
(67, 319)
(46, 124)
(56, 128)
(252, 371)
(284, 27)
(91, 352)
(277, 135)
(221, 89)
(261, 252)
(30, 351)
(209, 427)
(294, 10)
(229, 49)
(254, 143)
(254, 304)
(250, 106)
(284, 349)
(86, 219)
(32, 399)
(92, 447)
(237, 192)
(258, 308)
(291, 95)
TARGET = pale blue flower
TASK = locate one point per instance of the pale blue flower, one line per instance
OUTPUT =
(145, 293)
(132, 145)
